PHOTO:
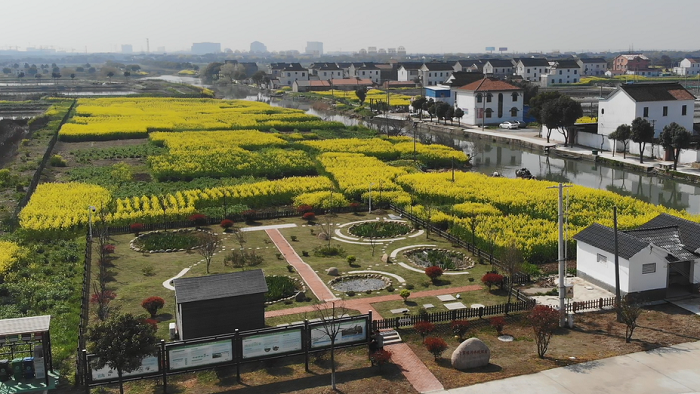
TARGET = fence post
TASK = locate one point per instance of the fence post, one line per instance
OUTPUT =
(481, 312)
(600, 303)
(163, 365)
(396, 323)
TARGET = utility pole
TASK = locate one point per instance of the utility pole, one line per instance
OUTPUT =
(148, 46)
(562, 260)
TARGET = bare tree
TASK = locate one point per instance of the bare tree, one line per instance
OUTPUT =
(512, 261)
(629, 312)
(209, 242)
(331, 327)
(372, 234)
(328, 226)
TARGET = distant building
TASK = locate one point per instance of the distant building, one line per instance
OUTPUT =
(531, 68)
(127, 48)
(314, 48)
(688, 66)
(292, 72)
(161, 50)
(257, 47)
(371, 50)
(631, 64)
(202, 48)
(401, 51)
(500, 68)
(561, 72)
(435, 73)
(489, 101)
(594, 66)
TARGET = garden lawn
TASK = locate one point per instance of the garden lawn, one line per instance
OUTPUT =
(413, 305)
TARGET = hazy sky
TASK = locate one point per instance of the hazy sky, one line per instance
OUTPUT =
(420, 26)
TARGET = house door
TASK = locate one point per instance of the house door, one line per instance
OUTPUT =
(678, 279)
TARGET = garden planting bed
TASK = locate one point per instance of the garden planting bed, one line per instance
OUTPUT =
(448, 260)
(360, 283)
(167, 241)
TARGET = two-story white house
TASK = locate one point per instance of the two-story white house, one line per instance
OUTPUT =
(463, 65)
(435, 73)
(658, 102)
(365, 71)
(688, 66)
(292, 72)
(489, 101)
(325, 71)
(408, 71)
(531, 69)
(593, 66)
(560, 72)
(659, 259)
(499, 68)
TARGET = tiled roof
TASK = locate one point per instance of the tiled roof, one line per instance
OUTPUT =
(411, 65)
(219, 286)
(603, 238)
(439, 66)
(593, 60)
(533, 62)
(567, 64)
(313, 82)
(489, 85)
(689, 231)
(667, 238)
(632, 57)
(663, 91)
(500, 63)
(25, 325)
(461, 78)
(293, 67)
(352, 81)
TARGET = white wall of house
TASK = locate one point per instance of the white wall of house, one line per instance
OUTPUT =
(329, 74)
(432, 78)
(600, 265)
(621, 109)
(639, 281)
(593, 69)
(498, 71)
(686, 67)
(407, 75)
(468, 102)
(561, 75)
(374, 75)
(530, 73)
(286, 78)
(652, 72)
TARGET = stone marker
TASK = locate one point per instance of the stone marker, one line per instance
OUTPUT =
(385, 258)
(472, 353)
(333, 271)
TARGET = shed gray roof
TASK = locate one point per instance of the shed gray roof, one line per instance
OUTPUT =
(663, 91)
(25, 325)
(500, 63)
(592, 60)
(689, 232)
(219, 286)
(603, 238)
(667, 238)
(533, 62)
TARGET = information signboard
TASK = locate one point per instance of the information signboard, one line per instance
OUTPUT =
(149, 366)
(350, 331)
(198, 354)
(490, 49)
(272, 343)
(502, 49)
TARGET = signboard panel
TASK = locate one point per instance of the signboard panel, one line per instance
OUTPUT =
(198, 354)
(271, 344)
(149, 366)
(350, 331)
(502, 49)
(491, 49)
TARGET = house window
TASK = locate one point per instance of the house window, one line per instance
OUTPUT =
(602, 111)
(363, 73)
(303, 74)
(575, 80)
(488, 98)
(646, 112)
(575, 71)
(559, 80)
(515, 97)
(559, 72)
(513, 112)
(289, 74)
(602, 258)
(528, 71)
(488, 112)
(324, 73)
(649, 268)
(684, 110)
(478, 98)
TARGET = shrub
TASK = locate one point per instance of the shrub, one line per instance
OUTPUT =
(354, 206)
(380, 357)
(152, 305)
(136, 228)
(329, 251)
(148, 270)
(304, 208)
(279, 287)
(410, 287)
(152, 322)
(433, 273)
(460, 327)
(294, 238)
(350, 293)
(351, 259)
(309, 216)
(226, 224)
(109, 248)
(390, 289)
(436, 346)
(249, 215)
(368, 291)
(490, 279)
(544, 321)
(498, 322)
(57, 161)
(103, 297)
(290, 268)
(305, 253)
(424, 328)
(405, 294)
(198, 219)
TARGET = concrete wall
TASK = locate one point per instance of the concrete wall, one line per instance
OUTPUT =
(638, 281)
(604, 272)
(621, 109)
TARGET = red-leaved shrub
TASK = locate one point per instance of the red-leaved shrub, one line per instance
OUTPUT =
(103, 297)
(303, 208)
(490, 279)
(380, 357)
(424, 328)
(152, 322)
(435, 345)
(544, 321)
(198, 219)
(433, 272)
(226, 224)
(109, 248)
(308, 216)
(249, 215)
(355, 206)
(152, 305)
(460, 327)
(498, 323)
(136, 228)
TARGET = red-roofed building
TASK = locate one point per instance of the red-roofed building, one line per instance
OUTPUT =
(489, 101)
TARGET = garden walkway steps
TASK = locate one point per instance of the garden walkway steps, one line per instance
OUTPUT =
(390, 337)
(317, 286)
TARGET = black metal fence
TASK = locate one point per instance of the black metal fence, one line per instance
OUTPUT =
(84, 307)
(600, 303)
(459, 314)
(519, 277)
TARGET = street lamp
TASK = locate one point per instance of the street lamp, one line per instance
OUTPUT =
(370, 197)
(91, 210)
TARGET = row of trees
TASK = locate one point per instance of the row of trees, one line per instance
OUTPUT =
(556, 111)
(674, 137)
(439, 109)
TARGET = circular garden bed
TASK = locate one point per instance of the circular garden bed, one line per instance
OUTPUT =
(380, 229)
(448, 260)
(360, 283)
(167, 241)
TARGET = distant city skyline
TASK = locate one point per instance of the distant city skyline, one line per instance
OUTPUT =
(458, 27)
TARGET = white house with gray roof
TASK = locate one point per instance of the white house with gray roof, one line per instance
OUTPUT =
(659, 259)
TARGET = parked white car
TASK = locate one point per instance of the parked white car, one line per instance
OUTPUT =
(508, 125)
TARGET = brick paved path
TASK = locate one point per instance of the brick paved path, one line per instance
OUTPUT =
(311, 278)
